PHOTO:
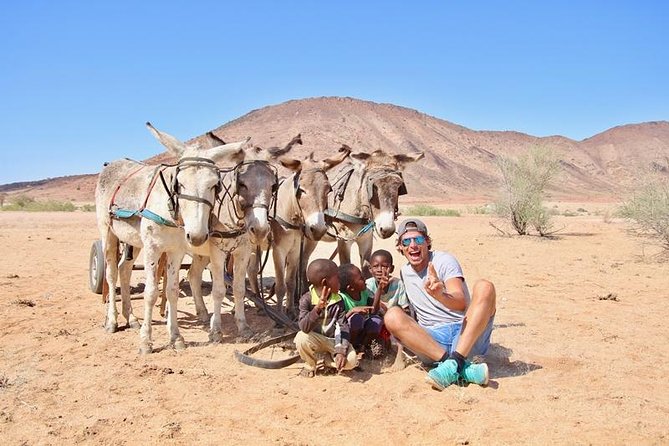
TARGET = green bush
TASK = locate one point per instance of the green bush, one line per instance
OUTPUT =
(26, 203)
(648, 209)
(524, 182)
(481, 210)
(429, 211)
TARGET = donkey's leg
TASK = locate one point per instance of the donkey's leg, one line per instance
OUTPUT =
(110, 248)
(291, 278)
(195, 279)
(279, 260)
(365, 244)
(308, 248)
(151, 259)
(241, 261)
(218, 288)
(125, 271)
(344, 251)
(252, 272)
(173, 266)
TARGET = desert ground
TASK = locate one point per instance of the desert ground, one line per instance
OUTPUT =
(579, 353)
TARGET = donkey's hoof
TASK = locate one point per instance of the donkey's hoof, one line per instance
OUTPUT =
(111, 327)
(204, 319)
(215, 337)
(134, 324)
(179, 344)
(246, 333)
(145, 349)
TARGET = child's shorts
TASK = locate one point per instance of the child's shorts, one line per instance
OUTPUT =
(447, 336)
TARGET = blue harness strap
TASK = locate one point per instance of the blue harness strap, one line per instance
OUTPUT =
(127, 213)
(124, 213)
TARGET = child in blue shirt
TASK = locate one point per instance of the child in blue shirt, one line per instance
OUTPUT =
(361, 308)
(390, 291)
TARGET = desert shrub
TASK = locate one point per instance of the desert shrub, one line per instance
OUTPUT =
(22, 201)
(481, 210)
(88, 208)
(426, 210)
(648, 209)
(524, 182)
(26, 203)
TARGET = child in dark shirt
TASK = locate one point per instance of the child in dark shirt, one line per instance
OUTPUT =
(361, 308)
(322, 321)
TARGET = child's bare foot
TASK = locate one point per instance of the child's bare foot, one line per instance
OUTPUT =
(307, 372)
(399, 364)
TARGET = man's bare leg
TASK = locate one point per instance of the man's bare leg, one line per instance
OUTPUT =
(481, 309)
(410, 334)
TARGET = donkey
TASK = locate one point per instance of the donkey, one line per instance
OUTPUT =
(301, 202)
(364, 201)
(133, 209)
(251, 194)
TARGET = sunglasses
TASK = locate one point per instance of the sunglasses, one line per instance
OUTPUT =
(419, 239)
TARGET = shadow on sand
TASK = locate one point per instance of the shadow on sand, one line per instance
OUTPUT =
(500, 365)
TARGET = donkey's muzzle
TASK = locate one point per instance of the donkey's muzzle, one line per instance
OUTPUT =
(196, 239)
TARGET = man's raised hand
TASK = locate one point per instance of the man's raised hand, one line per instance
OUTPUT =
(433, 285)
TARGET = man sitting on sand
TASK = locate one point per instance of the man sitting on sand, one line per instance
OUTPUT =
(451, 326)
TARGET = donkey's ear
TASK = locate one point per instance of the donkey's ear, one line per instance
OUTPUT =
(343, 153)
(291, 163)
(408, 158)
(276, 152)
(232, 153)
(212, 140)
(361, 156)
(173, 145)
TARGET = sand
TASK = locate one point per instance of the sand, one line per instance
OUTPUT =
(579, 353)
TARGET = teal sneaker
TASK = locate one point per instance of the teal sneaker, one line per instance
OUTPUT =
(443, 375)
(475, 373)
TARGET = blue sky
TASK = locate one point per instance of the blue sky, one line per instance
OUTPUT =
(79, 79)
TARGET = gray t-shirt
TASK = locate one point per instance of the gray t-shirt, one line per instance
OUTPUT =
(429, 311)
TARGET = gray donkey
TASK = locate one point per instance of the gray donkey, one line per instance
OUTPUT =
(364, 202)
(249, 193)
(301, 203)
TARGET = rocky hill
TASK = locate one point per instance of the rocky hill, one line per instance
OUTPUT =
(459, 163)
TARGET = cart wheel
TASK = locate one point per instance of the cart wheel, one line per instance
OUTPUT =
(96, 268)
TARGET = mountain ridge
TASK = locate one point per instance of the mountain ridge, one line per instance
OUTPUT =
(459, 163)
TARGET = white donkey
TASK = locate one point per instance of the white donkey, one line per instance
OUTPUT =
(301, 203)
(364, 201)
(249, 193)
(162, 209)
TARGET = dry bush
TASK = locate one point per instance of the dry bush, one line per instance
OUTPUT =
(524, 183)
(648, 209)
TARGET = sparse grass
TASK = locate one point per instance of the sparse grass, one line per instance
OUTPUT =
(430, 211)
(26, 203)
(485, 209)
(87, 208)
